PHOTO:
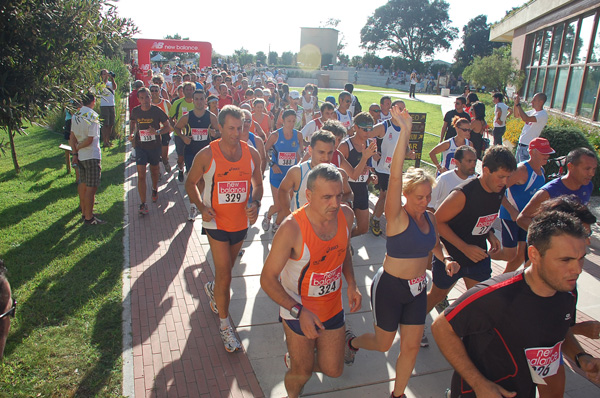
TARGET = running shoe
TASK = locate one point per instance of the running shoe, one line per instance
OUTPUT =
(167, 167)
(154, 195)
(375, 227)
(209, 289)
(442, 305)
(180, 175)
(424, 340)
(193, 213)
(287, 360)
(230, 341)
(266, 222)
(401, 396)
(143, 209)
(94, 221)
(275, 227)
(448, 393)
(349, 352)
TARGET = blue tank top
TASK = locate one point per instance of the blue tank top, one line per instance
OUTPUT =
(285, 151)
(519, 195)
(556, 188)
(411, 243)
(252, 139)
(448, 154)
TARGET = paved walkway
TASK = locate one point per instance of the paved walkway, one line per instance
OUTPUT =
(174, 346)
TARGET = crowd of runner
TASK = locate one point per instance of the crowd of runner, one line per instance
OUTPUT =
(505, 336)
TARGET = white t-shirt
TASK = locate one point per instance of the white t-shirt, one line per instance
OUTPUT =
(383, 117)
(310, 128)
(84, 124)
(445, 183)
(107, 98)
(168, 78)
(504, 112)
(533, 130)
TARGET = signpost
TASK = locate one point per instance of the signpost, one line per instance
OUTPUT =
(417, 134)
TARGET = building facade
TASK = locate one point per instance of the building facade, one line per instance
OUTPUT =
(557, 44)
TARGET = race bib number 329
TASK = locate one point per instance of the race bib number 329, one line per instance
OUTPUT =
(232, 192)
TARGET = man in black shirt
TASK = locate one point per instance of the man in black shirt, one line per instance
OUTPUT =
(448, 131)
(507, 334)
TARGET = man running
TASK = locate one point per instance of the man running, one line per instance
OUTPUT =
(505, 353)
(343, 112)
(226, 167)
(179, 108)
(146, 126)
(466, 160)
(327, 113)
(303, 274)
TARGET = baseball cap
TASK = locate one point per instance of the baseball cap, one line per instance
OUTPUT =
(542, 145)
(331, 99)
(294, 94)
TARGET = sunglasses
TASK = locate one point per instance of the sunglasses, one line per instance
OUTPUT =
(469, 130)
(375, 110)
(11, 311)
(154, 91)
(365, 128)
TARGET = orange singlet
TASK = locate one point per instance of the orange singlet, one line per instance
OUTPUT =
(227, 189)
(265, 124)
(315, 279)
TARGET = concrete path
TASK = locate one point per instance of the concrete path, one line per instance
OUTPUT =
(172, 346)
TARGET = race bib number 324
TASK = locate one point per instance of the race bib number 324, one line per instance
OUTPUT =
(322, 284)
(232, 192)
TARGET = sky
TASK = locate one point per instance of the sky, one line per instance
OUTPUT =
(263, 25)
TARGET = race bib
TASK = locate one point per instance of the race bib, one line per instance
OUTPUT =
(484, 224)
(199, 134)
(322, 284)
(232, 192)
(146, 136)
(417, 285)
(185, 113)
(543, 362)
(388, 162)
(286, 158)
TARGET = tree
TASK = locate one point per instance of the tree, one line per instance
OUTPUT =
(343, 59)
(273, 57)
(356, 60)
(476, 41)
(287, 58)
(49, 61)
(243, 56)
(495, 71)
(415, 29)
(261, 57)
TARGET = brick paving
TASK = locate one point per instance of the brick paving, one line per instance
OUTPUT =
(177, 351)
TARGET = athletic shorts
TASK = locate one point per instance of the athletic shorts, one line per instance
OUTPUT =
(512, 234)
(89, 172)
(276, 178)
(190, 151)
(479, 272)
(361, 195)
(165, 138)
(224, 236)
(179, 145)
(394, 303)
(145, 156)
(383, 180)
(107, 115)
(336, 322)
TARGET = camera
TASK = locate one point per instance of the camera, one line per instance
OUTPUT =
(111, 73)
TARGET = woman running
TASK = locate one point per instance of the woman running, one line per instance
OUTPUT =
(448, 147)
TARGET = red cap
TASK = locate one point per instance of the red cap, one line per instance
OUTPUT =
(542, 145)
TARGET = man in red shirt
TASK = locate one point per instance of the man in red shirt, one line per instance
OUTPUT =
(133, 100)
(240, 94)
(224, 97)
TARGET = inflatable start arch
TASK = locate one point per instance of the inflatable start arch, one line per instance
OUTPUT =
(144, 47)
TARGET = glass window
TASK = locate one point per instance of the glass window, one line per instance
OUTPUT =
(546, 46)
(531, 84)
(574, 89)
(596, 50)
(590, 90)
(526, 82)
(550, 74)
(583, 41)
(537, 47)
(554, 52)
(539, 84)
(528, 50)
(570, 33)
(561, 85)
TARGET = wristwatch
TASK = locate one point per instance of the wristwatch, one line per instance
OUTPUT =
(577, 356)
(295, 311)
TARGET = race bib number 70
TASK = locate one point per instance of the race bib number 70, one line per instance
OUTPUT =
(484, 224)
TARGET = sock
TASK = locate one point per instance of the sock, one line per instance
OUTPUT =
(224, 323)
(350, 344)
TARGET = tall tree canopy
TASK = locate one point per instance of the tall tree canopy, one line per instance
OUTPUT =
(47, 49)
(495, 71)
(415, 29)
(476, 41)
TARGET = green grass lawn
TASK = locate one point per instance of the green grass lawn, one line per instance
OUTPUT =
(433, 124)
(66, 337)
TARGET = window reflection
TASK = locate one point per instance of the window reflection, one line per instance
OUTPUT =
(590, 90)
(558, 32)
(574, 88)
(583, 41)
(568, 42)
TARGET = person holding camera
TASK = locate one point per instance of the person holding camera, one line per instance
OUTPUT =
(107, 106)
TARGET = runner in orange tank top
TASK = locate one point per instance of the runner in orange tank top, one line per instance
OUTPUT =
(303, 274)
(224, 171)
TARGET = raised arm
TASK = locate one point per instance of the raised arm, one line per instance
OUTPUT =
(393, 202)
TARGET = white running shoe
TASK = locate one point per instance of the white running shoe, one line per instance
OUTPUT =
(266, 222)
(349, 353)
(230, 341)
(193, 213)
(209, 289)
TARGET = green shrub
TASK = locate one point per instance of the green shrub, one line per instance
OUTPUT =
(564, 140)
